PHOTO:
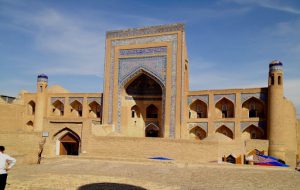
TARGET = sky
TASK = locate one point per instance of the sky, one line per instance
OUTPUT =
(230, 42)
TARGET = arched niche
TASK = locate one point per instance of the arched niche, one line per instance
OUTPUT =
(135, 112)
(197, 133)
(151, 111)
(94, 109)
(31, 108)
(58, 108)
(223, 130)
(198, 109)
(29, 124)
(224, 108)
(252, 132)
(76, 108)
(253, 108)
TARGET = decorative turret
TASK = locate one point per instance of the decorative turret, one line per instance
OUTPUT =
(275, 99)
(42, 84)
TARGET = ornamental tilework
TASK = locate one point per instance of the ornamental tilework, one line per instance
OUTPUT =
(259, 124)
(230, 125)
(247, 96)
(156, 65)
(173, 89)
(72, 99)
(131, 41)
(61, 99)
(203, 98)
(143, 51)
(202, 125)
(218, 97)
(96, 99)
(164, 38)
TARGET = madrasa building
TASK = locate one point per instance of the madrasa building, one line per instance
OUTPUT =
(146, 94)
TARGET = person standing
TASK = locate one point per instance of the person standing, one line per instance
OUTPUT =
(6, 163)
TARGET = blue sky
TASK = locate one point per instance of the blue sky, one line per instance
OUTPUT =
(230, 42)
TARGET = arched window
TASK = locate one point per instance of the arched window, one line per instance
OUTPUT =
(198, 133)
(76, 108)
(272, 80)
(58, 108)
(152, 111)
(253, 107)
(31, 108)
(225, 108)
(135, 112)
(95, 109)
(279, 80)
(225, 131)
(198, 109)
(252, 132)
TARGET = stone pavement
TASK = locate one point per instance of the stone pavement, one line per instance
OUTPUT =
(87, 174)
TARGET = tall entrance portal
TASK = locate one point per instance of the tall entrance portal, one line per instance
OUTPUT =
(142, 107)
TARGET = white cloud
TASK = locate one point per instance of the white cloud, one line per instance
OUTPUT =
(271, 4)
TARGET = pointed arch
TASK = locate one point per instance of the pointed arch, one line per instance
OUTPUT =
(76, 108)
(94, 109)
(198, 109)
(67, 142)
(253, 107)
(138, 72)
(31, 108)
(29, 124)
(197, 133)
(151, 130)
(252, 132)
(152, 111)
(58, 108)
(224, 108)
(224, 130)
(135, 112)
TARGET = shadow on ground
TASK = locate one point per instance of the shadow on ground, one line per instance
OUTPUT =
(109, 186)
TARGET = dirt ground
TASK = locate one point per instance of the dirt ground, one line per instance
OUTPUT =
(93, 174)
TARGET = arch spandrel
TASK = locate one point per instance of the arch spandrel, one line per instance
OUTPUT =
(155, 65)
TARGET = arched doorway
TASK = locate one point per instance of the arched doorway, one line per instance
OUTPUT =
(69, 144)
(152, 130)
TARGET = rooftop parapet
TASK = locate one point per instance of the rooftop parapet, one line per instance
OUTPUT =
(145, 30)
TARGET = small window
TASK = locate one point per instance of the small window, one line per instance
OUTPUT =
(279, 80)
(132, 113)
(190, 114)
(272, 80)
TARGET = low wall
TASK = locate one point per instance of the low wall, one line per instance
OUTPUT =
(23, 147)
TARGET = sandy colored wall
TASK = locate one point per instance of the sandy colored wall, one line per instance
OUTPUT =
(22, 146)
(11, 117)
(298, 139)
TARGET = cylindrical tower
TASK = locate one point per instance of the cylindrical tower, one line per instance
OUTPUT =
(42, 83)
(275, 105)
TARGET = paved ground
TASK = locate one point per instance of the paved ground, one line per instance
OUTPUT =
(85, 174)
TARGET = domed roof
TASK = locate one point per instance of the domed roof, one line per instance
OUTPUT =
(42, 76)
(57, 89)
(275, 62)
